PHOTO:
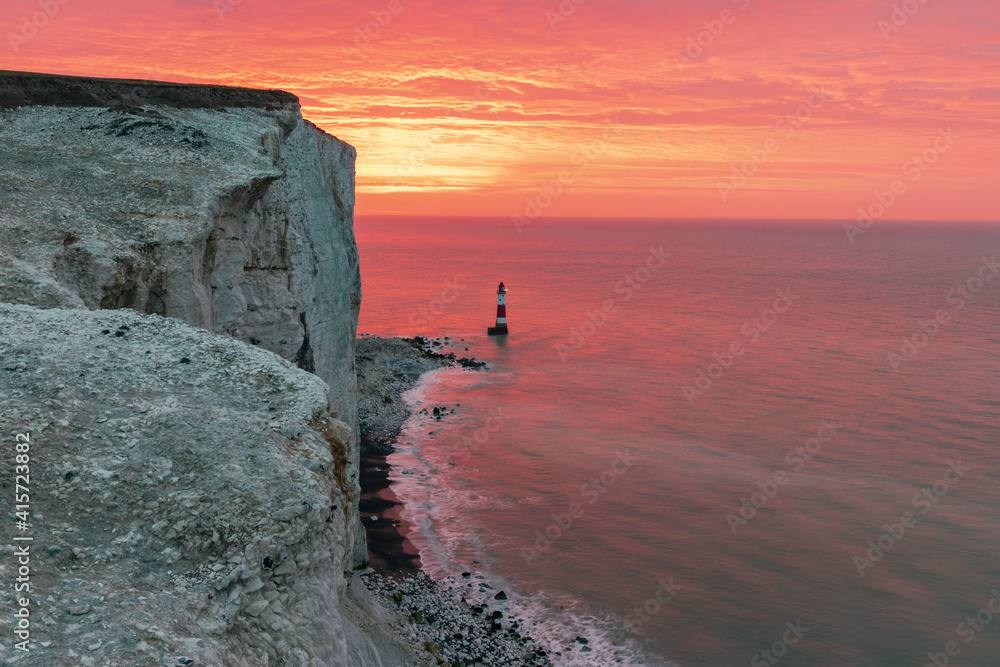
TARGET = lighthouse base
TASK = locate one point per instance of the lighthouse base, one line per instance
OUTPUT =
(497, 331)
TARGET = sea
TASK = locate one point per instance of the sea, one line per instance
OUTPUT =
(707, 443)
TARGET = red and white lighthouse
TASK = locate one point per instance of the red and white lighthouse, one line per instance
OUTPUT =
(501, 328)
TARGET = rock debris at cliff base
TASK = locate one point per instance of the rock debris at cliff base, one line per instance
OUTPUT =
(455, 630)
(386, 367)
(457, 624)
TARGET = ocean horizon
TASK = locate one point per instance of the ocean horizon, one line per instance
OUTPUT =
(733, 442)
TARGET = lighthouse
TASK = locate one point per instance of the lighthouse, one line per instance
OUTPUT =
(501, 328)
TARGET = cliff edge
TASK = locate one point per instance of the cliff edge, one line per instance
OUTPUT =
(237, 220)
(201, 492)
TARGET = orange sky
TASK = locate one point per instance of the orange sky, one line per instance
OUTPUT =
(460, 107)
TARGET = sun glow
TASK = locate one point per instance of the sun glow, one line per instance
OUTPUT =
(458, 108)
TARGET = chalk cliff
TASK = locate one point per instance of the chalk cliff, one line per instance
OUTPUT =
(236, 219)
(210, 486)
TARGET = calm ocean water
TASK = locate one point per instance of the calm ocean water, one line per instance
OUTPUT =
(703, 456)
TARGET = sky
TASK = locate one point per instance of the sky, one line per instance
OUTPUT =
(625, 108)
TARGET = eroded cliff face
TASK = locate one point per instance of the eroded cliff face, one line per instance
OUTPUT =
(181, 505)
(234, 219)
(189, 499)
(215, 208)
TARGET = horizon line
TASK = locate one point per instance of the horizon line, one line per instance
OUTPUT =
(667, 219)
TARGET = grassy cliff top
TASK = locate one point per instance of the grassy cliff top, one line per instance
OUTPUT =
(19, 89)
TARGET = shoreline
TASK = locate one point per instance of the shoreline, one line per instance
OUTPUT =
(386, 368)
(390, 551)
(453, 622)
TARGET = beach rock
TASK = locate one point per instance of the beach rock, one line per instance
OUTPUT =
(385, 369)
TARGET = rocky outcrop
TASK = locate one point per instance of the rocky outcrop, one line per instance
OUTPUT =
(387, 367)
(188, 496)
(196, 496)
(220, 207)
